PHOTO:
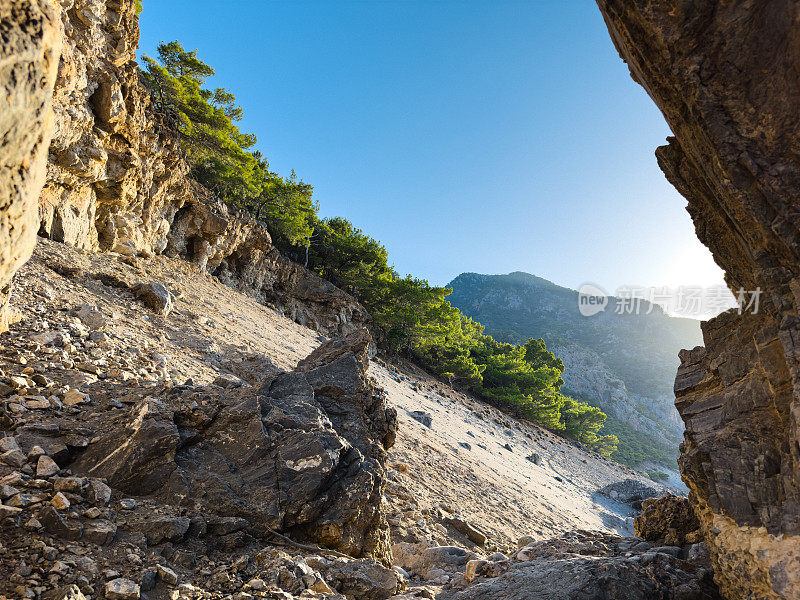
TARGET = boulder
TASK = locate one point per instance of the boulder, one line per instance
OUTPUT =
(629, 491)
(122, 589)
(429, 561)
(308, 455)
(156, 297)
(668, 520)
(422, 417)
(589, 566)
(363, 579)
(475, 535)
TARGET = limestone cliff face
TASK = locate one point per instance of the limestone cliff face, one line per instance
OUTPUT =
(29, 49)
(116, 180)
(725, 77)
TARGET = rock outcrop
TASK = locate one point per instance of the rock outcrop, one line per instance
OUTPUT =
(30, 43)
(725, 77)
(115, 176)
(304, 454)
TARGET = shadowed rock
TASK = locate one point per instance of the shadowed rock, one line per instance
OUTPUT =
(668, 520)
(590, 566)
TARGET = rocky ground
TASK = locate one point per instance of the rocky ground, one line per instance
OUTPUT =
(125, 392)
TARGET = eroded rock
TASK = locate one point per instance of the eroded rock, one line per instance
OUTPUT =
(668, 520)
(30, 46)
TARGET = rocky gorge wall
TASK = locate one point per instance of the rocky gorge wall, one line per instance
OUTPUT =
(725, 76)
(30, 42)
(116, 180)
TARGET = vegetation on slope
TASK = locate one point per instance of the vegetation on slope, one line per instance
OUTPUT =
(620, 362)
(411, 317)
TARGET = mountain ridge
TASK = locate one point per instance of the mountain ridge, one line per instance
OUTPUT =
(622, 363)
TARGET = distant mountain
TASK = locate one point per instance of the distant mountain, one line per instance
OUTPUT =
(622, 363)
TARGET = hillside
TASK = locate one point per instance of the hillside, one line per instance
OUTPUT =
(622, 363)
(98, 379)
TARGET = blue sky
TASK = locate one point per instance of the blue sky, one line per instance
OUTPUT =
(466, 136)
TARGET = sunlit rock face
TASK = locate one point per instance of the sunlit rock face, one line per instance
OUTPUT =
(115, 178)
(29, 50)
(725, 76)
(117, 181)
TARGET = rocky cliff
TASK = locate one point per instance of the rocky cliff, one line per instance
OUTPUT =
(116, 180)
(29, 49)
(725, 77)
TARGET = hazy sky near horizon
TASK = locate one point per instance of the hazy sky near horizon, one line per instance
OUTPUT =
(466, 136)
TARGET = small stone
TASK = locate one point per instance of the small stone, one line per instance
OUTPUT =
(71, 592)
(473, 567)
(91, 316)
(525, 540)
(319, 586)
(35, 452)
(156, 297)
(257, 585)
(15, 458)
(74, 397)
(46, 467)
(92, 513)
(100, 532)
(60, 501)
(228, 381)
(470, 531)
(8, 443)
(6, 491)
(98, 492)
(23, 500)
(167, 575)
(122, 589)
(73, 485)
(535, 459)
(9, 511)
(161, 529)
(127, 504)
(18, 382)
(423, 417)
(56, 525)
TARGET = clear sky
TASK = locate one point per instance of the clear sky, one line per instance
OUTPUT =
(466, 136)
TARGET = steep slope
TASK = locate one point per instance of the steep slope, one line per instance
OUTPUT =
(623, 363)
(159, 406)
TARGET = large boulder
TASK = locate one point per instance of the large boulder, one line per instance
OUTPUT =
(724, 75)
(30, 45)
(304, 454)
(629, 491)
(668, 520)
